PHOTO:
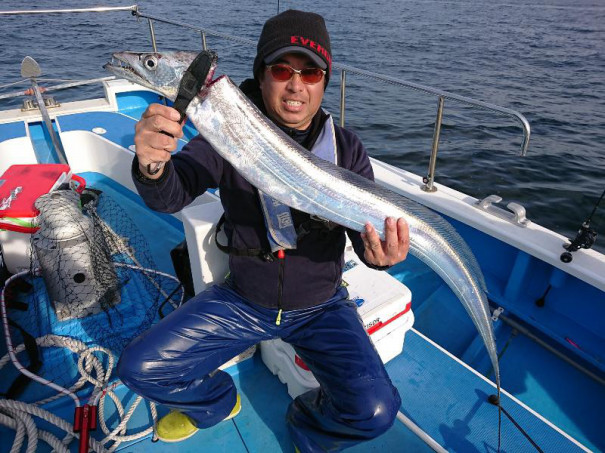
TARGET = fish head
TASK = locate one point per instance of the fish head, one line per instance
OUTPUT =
(160, 71)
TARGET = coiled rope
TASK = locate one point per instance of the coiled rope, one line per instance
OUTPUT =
(18, 415)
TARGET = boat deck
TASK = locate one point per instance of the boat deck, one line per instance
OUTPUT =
(440, 394)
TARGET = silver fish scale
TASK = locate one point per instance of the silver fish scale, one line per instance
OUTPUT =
(273, 162)
(317, 186)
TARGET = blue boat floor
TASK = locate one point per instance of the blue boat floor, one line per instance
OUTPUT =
(444, 398)
(261, 425)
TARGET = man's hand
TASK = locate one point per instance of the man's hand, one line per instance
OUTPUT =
(151, 145)
(393, 249)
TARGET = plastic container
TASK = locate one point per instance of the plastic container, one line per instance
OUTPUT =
(20, 187)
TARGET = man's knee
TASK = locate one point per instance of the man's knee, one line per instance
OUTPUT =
(376, 411)
(385, 413)
(131, 368)
(363, 415)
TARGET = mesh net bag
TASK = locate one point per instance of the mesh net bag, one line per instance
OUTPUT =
(92, 283)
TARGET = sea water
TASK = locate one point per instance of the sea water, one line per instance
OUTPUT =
(543, 58)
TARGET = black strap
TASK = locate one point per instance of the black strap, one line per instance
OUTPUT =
(302, 230)
(263, 254)
(193, 80)
(190, 85)
(314, 223)
(161, 307)
(31, 347)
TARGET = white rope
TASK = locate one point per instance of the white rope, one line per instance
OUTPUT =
(74, 345)
(17, 424)
(86, 362)
(11, 351)
(47, 79)
(13, 83)
(121, 428)
(86, 355)
(19, 428)
(49, 417)
(117, 434)
(53, 441)
(163, 274)
(30, 427)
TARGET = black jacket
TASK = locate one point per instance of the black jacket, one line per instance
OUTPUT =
(312, 272)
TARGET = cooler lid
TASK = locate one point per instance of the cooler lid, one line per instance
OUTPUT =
(21, 185)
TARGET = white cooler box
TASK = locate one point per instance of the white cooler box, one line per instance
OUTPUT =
(20, 187)
(385, 309)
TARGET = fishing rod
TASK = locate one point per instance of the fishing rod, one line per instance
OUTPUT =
(585, 238)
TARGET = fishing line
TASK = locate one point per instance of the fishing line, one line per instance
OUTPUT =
(493, 399)
(595, 207)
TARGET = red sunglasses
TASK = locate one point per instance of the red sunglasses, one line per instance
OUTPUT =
(283, 72)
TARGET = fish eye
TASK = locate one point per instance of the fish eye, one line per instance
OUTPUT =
(150, 62)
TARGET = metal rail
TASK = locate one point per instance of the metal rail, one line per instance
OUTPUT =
(441, 94)
(100, 9)
(205, 31)
(60, 86)
(430, 178)
(545, 345)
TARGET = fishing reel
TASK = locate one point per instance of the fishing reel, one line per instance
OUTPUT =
(585, 239)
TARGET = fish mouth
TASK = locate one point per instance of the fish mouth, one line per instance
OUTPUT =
(162, 72)
(127, 65)
(122, 68)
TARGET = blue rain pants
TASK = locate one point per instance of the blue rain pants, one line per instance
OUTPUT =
(176, 362)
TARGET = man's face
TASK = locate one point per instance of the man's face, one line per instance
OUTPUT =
(292, 103)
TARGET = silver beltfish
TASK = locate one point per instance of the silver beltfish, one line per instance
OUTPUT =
(270, 160)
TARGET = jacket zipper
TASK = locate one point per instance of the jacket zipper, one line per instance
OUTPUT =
(281, 255)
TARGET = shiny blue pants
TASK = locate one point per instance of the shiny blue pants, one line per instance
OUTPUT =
(176, 362)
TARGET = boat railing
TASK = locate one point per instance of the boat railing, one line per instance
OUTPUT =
(66, 83)
(441, 95)
(60, 86)
(96, 9)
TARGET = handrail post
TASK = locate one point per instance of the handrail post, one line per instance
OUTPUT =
(204, 46)
(152, 33)
(430, 178)
(343, 82)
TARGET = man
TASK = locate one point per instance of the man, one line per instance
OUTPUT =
(293, 293)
